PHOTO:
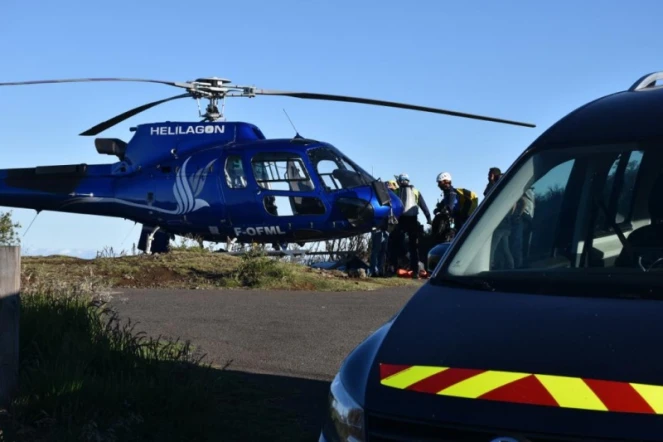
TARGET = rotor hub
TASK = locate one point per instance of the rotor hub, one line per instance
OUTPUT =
(209, 87)
(212, 89)
(212, 81)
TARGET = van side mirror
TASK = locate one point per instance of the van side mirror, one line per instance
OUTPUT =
(435, 254)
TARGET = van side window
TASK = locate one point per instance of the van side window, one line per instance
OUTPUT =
(625, 200)
(534, 238)
(618, 192)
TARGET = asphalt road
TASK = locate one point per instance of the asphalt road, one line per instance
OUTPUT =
(288, 345)
(302, 334)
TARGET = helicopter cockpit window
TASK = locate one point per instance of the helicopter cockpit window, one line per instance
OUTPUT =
(281, 171)
(337, 172)
(234, 171)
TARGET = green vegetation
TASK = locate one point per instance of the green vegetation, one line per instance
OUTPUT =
(8, 234)
(197, 268)
(86, 376)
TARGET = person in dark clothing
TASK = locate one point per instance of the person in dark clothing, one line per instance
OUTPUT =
(457, 201)
(443, 228)
(494, 174)
(380, 242)
(408, 222)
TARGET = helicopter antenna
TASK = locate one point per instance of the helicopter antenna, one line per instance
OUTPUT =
(293, 125)
(126, 237)
(33, 220)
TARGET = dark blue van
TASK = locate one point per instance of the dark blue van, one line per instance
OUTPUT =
(543, 320)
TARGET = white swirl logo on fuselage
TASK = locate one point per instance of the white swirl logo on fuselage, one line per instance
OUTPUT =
(185, 192)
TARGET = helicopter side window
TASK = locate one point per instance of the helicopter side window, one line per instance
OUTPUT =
(281, 171)
(234, 171)
(286, 172)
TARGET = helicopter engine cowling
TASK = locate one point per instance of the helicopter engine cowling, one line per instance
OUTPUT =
(157, 142)
(111, 146)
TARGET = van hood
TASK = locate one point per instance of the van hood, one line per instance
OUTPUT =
(508, 364)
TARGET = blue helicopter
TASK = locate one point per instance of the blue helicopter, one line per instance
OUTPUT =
(214, 179)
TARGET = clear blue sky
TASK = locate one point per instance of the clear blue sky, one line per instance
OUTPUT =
(524, 60)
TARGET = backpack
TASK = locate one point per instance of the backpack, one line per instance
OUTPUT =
(467, 202)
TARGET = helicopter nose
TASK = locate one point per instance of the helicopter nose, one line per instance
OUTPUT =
(364, 208)
(357, 211)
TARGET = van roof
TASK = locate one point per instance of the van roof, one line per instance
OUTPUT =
(632, 115)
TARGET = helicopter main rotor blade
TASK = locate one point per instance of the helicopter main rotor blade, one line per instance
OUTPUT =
(128, 114)
(316, 96)
(214, 88)
(82, 80)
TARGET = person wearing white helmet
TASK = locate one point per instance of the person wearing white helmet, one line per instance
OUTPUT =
(459, 202)
(411, 197)
(408, 222)
(444, 178)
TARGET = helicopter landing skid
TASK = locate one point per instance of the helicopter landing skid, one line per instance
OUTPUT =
(150, 238)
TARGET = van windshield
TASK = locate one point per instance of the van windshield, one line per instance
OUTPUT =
(568, 219)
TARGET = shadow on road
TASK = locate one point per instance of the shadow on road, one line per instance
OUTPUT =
(224, 406)
(273, 407)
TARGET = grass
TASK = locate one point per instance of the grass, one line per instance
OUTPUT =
(86, 376)
(197, 268)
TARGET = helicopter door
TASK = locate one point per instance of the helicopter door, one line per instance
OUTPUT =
(240, 194)
(287, 192)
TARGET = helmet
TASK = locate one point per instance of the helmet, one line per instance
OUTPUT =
(403, 177)
(444, 176)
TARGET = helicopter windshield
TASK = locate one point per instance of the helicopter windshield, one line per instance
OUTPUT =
(336, 171)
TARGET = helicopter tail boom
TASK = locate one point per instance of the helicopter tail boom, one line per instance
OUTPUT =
(53, 187)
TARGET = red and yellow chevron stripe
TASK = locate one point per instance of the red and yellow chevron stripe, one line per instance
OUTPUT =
(526, 388)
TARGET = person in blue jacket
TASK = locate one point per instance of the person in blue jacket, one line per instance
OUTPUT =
(458, 201)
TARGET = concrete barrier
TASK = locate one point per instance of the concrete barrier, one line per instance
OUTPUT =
(10, 286)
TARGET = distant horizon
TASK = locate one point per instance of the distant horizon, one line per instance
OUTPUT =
(75, 253)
